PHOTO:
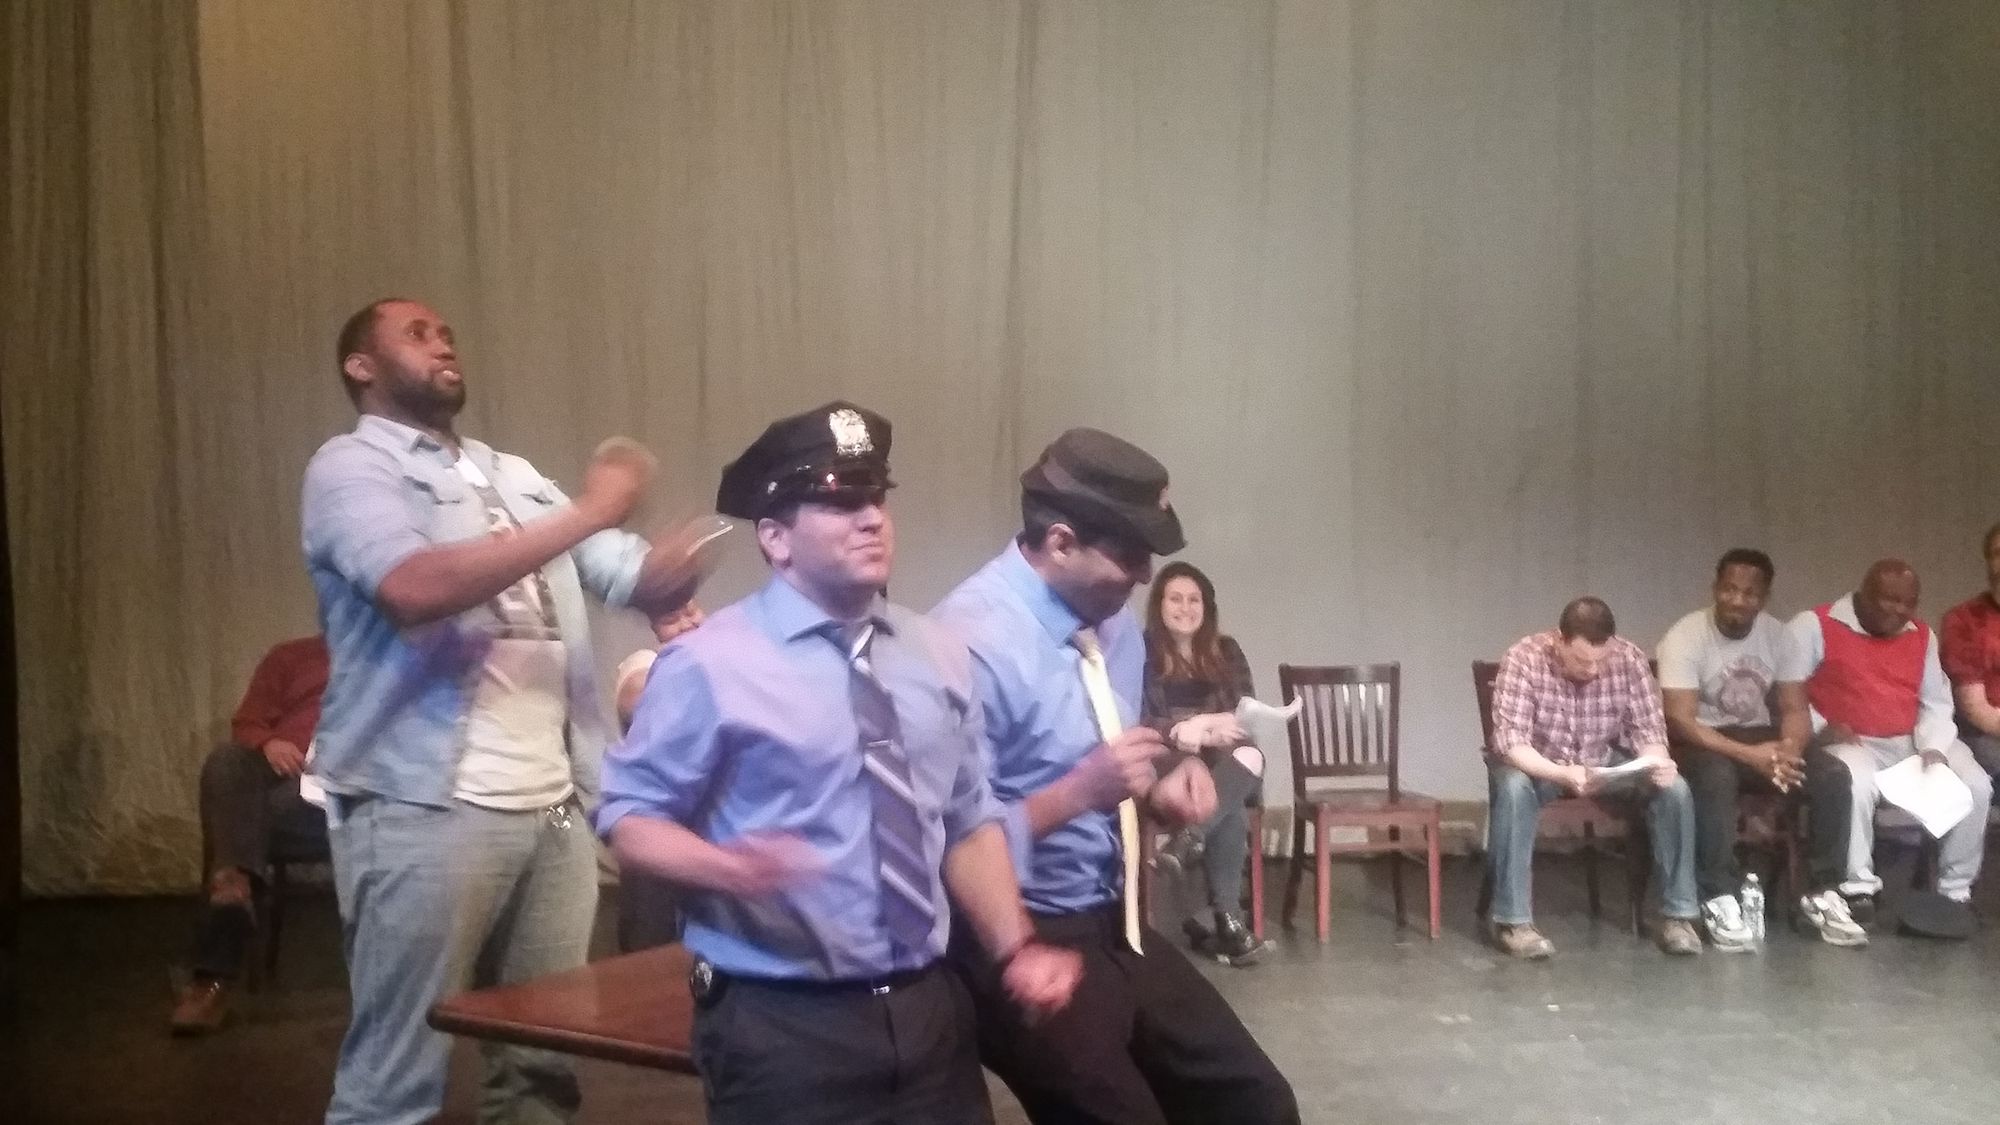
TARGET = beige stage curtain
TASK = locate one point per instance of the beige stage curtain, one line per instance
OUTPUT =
(1441, 311)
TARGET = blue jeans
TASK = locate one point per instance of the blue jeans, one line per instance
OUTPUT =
(1515, 803)
(435, 900)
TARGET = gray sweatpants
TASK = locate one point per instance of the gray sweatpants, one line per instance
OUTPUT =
(1961, 848)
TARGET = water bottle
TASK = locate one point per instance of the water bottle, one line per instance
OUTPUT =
(1753, 907)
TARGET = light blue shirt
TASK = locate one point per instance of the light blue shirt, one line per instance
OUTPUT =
(1040, 723)
(392, 721)
(747, 725)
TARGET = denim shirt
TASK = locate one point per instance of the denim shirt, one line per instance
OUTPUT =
(1040, 723)
(392, 721)
(747, 725)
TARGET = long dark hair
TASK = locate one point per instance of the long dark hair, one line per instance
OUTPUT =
(1163, 657)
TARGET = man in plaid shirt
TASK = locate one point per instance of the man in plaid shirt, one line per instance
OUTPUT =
(1569, 707)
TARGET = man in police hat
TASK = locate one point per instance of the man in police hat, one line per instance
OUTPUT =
(1059, 659)
(808, 765)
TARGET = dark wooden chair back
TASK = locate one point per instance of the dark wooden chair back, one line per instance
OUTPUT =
(1350, 724)
(1484, 672)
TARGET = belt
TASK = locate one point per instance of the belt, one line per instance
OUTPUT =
(706, 982)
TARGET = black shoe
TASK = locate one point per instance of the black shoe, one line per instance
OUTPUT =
(1234, 943)
(1862, 909)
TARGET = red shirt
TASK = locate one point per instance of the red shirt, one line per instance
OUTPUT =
(1969, 646)
(283, 699)
(1872, 685)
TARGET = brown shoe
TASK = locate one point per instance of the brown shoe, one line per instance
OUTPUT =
(1523, 941)
(1677, 936)
(202, 1007)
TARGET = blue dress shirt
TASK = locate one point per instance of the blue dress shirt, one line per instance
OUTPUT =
(393, 719)
(1039, 720)
(747, 725)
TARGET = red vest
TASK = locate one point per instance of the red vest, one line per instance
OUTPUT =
(1872, 685)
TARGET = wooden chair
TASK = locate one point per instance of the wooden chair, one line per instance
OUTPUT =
(1348, 738)
(1583, 814)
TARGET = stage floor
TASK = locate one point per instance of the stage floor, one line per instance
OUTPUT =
(1371, 1027)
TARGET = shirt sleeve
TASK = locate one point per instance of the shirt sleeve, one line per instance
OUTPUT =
(1937, 725)
(356, 515)
(667, 762)
(1806, 648)
(1962, 651)
(1238, 667)
(1680, 663)
(972, 805)
(1645, 723)
(607, 563)
(263, 706)
(992, 727)
(1513, 704)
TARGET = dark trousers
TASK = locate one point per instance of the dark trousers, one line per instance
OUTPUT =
(244, 806)
(1226, 836)
(1717, 781)
(1144, 1041)
(805, 1055)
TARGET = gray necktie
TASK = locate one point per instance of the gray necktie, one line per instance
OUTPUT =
(908, 911)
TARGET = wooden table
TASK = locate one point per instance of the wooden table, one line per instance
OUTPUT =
(631, 1009)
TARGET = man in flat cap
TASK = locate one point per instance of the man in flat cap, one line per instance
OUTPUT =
(1059, 660)
(808, 766)
(460, 731)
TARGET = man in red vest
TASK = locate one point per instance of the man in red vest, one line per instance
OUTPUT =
(1878, 696)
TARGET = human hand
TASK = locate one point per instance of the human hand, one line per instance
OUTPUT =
(1218, 729)
(1041, 978)
(683, 620)
(1186, 795)
(286, 759)
(1578, 780)
(762, 863)
(1781, 767)
(1934, 758)
(614, 480)
(1118, 769)
(1662, 771)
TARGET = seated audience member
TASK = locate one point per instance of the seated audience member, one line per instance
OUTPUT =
(249, 793)
(1738, 724)
(1879, 695)
(1194, 677)
(1568, 703)
(647, 912)
(1971, 655)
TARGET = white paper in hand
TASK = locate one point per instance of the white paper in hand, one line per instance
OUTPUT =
(1252, 710)
(1936, 796)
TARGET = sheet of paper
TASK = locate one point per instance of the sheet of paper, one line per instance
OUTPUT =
(1937, 797)
(1636, 765)
(1252, 710)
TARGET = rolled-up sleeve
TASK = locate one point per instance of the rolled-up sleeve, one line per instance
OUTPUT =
(355, 514)
(607, 563)
(1513, 705)
(667, 762)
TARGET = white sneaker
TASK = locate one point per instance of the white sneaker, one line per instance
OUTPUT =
(1828, 913)
(1722, 916)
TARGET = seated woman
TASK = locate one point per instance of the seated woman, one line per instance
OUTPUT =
(1194, 678)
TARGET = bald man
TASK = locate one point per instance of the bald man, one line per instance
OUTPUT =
(1879, 695)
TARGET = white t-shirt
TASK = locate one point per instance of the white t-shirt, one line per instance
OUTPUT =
(1732, 677)
(516, 754)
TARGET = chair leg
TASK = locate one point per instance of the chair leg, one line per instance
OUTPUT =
(1396, 873)
(1638, 870)
(1484, 906)
(1296, 869)
(1590, 869)
(1432, 858)
(1257, 874)
(1323, 873)
(274, 925)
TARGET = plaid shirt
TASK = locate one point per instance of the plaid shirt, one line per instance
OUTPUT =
(1569, 723)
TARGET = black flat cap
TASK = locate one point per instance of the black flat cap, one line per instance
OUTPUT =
(833, 454)
(1932, 915)
(1107, 484)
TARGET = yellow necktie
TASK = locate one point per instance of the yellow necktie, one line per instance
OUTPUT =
(1097, 685)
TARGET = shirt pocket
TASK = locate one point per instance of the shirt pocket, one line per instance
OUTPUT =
(444, 506)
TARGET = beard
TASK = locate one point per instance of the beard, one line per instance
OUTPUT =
(421, 395)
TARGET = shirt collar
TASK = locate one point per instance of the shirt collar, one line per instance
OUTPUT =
(792, 615)
(1048, 609)
(410, 439)
(1843, 612)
